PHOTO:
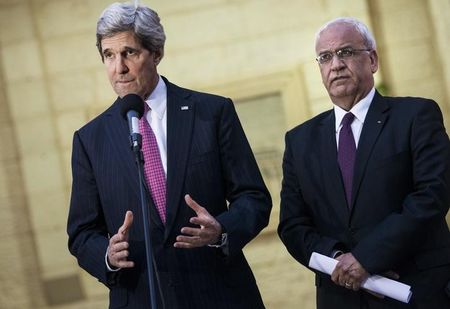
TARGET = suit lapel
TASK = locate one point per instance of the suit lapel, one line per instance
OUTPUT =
(118, 134)
(373, 124)
(180, 118)
(330, 168)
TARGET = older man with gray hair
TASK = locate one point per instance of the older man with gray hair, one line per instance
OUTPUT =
(368, 182)
(206, 196)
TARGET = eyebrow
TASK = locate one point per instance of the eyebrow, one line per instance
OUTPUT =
(329, 50)
(124, 49)
(128, 48)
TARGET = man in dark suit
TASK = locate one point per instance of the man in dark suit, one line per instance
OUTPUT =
(368, 182)
(214, 202)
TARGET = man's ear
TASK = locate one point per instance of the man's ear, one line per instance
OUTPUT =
(158, 56)
(374, 61)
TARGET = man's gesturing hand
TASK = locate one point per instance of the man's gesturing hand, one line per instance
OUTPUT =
(208, 232)
(118, 245)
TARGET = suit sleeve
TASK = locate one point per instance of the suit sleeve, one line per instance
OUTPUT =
(397, 237)
(249, 200)
(88, 238)
(297, 228)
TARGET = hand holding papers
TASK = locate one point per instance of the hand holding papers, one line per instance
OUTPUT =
(377, 284)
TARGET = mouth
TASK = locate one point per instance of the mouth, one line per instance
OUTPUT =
(123, 81)
(339, 78)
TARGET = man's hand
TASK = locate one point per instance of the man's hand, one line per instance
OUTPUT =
(349, 273)
(208, 232)
(118, 245)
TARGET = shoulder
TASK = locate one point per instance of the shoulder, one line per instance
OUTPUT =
(411, 104)
(185, 93)
(203, 102)
(97, 122)
(312, 125)
(308, 134)
(410, 109)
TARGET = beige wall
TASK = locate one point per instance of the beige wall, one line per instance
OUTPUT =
(52, 82)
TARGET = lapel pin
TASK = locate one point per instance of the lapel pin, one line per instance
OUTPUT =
(184, 108)
(379, 121)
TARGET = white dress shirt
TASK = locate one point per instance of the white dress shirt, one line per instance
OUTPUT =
(359, 110)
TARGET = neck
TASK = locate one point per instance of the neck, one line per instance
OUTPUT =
(347, 102)
(152, 88)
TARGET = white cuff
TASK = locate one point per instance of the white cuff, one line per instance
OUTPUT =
(336, 253)
(107, 264)
(222, 242)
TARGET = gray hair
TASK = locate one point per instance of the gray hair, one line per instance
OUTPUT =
(143, 21)
(369, 40)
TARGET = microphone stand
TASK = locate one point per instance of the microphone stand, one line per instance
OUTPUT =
(136, 145)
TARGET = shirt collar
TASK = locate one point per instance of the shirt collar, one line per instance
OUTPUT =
(157, 100)
(360, 109)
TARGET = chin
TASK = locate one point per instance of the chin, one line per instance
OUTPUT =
(123, 92)
(341, 91)
(337, 94)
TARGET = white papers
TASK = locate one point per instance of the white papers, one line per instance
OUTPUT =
(377, 284)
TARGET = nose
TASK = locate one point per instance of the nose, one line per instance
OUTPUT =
(336, 63)
(121, 66)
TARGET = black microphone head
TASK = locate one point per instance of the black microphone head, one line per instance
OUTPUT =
(131, 102)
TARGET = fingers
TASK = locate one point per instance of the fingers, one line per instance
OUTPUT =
(339, 275)
(193, 231)
(203, 218)
(349, 273)
(126, 223)
(122, 234)
(196, 237)
(188, 242)
(193, 204)
(208, 232)
(118, 245)
(118, 254)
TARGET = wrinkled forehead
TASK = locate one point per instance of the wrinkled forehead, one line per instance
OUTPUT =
(120, 41)
(339, 35)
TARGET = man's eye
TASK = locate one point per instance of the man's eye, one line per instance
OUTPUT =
(346, 52)
(108, 55)
(325, 57)
(131, 52)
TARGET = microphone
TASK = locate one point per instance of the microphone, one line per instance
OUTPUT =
(132, 109)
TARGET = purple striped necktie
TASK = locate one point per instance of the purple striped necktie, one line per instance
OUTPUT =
(153, 168)
(347, 154)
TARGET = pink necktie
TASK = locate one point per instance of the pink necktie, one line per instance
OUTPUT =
(153, 168)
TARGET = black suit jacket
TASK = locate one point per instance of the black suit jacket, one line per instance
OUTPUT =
(401, 191)
(209, 158)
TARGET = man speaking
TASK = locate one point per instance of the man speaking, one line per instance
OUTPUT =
(207, 199)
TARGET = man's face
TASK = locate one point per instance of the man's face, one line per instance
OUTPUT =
(130, 67)
(346, 79)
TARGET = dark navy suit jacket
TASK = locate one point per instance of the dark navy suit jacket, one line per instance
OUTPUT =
(401, 189)
(210, 159)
